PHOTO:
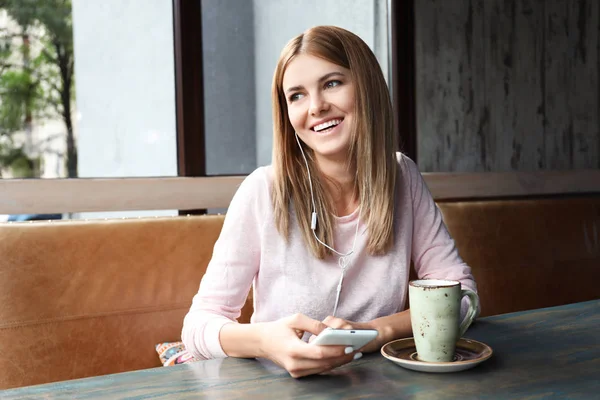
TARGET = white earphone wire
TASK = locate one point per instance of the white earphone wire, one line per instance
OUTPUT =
(342, 261)
(313, 224)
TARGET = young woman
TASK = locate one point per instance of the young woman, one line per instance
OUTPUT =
(326, 234)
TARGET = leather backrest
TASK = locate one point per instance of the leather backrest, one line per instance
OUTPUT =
(529, 253)
(86, 298)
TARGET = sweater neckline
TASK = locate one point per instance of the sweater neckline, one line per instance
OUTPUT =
(347, 218)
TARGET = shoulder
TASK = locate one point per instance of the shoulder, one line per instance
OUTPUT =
(260, 176)
(407, 167)
(252, 198)
(257, 184)
(410, 181)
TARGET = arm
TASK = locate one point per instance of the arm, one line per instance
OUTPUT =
(228, 278)
(434, 254)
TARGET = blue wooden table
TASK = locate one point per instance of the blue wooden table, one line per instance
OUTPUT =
(540, 354)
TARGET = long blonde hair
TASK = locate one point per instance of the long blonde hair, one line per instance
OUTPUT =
(371, 153)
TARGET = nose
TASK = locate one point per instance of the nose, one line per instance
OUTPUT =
(318, 104)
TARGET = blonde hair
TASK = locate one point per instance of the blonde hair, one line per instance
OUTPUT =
(371, 153)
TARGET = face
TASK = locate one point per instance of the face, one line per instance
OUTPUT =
(320, 102)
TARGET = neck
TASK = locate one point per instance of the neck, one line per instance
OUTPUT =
(340, 183)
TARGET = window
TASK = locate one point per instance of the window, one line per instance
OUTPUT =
(161, 88)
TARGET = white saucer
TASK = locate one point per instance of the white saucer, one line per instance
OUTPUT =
(469, 353)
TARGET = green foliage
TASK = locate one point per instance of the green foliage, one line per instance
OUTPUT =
(15, 159)
(37, 69)
(20, 94)
(54, 15)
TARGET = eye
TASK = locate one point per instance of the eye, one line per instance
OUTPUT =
(294, 96)
(332, 84)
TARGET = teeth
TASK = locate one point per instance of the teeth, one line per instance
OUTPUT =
(327, 124)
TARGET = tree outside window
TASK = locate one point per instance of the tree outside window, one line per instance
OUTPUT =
(37, 89)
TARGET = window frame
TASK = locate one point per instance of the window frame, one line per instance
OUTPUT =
(189, 91)
(403, 74)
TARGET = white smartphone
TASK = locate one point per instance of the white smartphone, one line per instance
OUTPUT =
(356, 338)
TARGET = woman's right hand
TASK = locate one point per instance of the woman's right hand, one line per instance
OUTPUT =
(281, 343)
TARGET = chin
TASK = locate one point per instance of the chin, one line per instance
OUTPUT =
(329, 146)
(333, 153)
(337, 146)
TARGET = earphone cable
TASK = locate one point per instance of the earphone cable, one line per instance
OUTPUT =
(313, 224)
(342, 261)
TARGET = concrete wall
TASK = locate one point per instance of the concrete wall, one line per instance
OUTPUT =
(507, 85)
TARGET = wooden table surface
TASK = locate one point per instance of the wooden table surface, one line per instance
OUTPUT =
(546, 353)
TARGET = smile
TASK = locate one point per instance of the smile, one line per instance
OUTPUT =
(327, 126)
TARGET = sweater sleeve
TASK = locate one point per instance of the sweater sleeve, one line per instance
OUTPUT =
(229, 275)
(434, 254)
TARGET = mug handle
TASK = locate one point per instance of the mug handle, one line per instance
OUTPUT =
(473, 307)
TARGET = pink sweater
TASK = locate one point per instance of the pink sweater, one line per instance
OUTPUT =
(287, 279)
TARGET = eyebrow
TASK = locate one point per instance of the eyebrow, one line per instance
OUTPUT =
(321, 79)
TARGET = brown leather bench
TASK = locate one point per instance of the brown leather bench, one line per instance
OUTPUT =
(529, 253)
(85, 298)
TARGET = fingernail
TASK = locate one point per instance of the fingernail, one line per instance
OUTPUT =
(348, 350)
(357, 356)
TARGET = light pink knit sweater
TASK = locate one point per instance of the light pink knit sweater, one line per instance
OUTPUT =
(287, 279)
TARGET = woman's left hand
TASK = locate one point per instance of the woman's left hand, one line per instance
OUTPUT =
(339, 323)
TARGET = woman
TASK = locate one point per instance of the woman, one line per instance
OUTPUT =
(327, 233)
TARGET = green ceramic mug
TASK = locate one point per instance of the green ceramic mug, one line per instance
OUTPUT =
(435, 317)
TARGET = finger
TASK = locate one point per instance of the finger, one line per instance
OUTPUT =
(345, 360)
(304, 323)
(304, 367)
(308, 372)
(339, 362)
(324, 370)
(324, 353)
(337, 323)
(310, 367)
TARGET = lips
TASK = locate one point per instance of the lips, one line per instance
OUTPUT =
(326, 125)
